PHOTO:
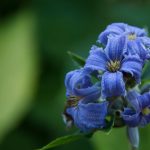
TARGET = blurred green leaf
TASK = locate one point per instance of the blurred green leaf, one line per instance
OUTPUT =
(63, 140)
(18, 65)
(78, 59)
(114, 140)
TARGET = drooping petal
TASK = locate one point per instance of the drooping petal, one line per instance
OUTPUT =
(112, 84)
(145, 41)
(141, 105)
(136, 47)
(130, 117)
(146, 44)
(112, 30)
(89, 94)
(133, 136)
(115, 47)
(135, 30)
(132, 65)
(78, 84)
(77, 79)
(88, 117)
(144, 100)
(67, 82)
(132, 98)
(145, 119)
(97, 59)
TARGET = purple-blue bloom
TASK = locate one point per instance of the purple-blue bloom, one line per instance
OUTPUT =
(137, 41)
(138, 112)
(114, 64)
(82, 101)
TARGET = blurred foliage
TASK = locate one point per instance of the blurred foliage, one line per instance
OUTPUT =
(18, 69)
(34, 39)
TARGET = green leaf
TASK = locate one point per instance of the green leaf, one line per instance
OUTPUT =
(78, 59)
(63, 140)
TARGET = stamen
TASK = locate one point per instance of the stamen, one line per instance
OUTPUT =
(146, 111)
(131, 36)
(113, 66)
(72, 101)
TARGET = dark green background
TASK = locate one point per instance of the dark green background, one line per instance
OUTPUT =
(34, 39)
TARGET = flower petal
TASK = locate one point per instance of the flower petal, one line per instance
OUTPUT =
(90, 116)
(144, 100)
(112, 84)
(135, 30)
(132, 98)
(115, 47)
(132, 65)
(131, 117)
(89, 94)
(133, 136)
(144, 120)
(77, 79)
(136, 47)
(145, 40)
(112, 30)
(78, 83)
(96, 60)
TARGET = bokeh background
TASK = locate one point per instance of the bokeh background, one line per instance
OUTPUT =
(34, 39)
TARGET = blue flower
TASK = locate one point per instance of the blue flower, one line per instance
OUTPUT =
(138, 112)
(89, 116)
(137, 41)
(79, 86)
(113, 65)
(82, 101)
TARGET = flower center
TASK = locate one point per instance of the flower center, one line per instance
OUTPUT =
(132, 36)
(146, 111)
(113, 66)
(72, 101)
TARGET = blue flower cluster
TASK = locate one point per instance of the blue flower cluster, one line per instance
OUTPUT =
(106, 86)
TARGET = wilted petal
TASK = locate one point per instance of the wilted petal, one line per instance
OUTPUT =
(97, 59)
(132, 65)
(115, 47)
(130, 117)
(88, 117)
(112, 84)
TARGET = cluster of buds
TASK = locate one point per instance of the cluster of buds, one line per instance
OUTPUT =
(105, 92)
